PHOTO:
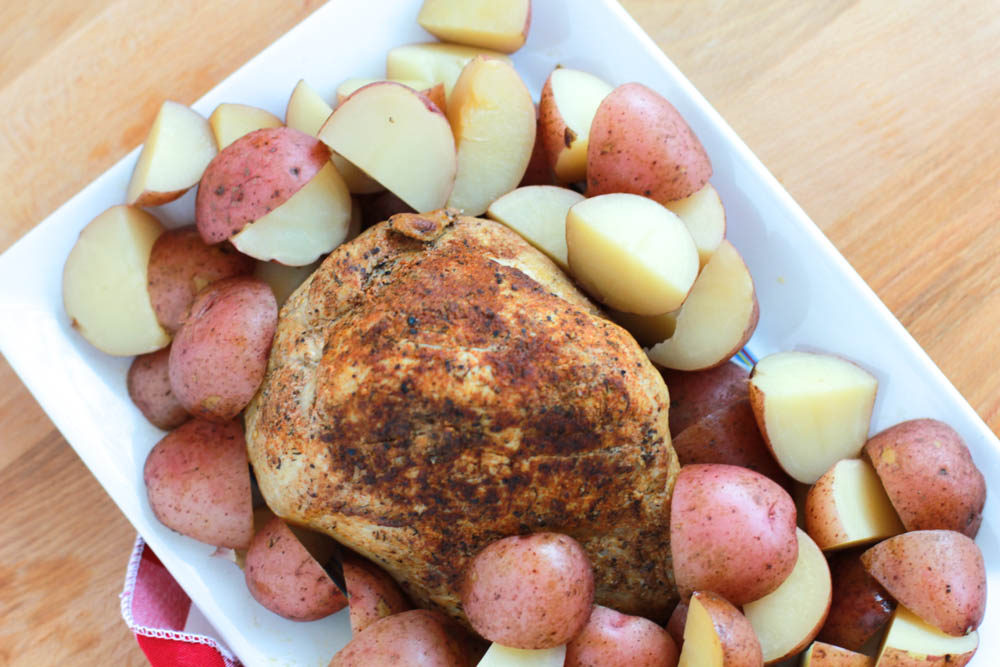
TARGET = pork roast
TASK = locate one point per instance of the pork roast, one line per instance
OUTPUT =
(439, 384)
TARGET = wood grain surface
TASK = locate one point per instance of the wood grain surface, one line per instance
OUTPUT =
(881, 117)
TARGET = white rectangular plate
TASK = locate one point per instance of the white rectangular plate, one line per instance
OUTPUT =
(809, 296)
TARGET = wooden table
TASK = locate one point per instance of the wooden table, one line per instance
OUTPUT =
(881, 117)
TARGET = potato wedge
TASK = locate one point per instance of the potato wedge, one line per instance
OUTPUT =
(847, 506)
(538, 213)
(231, 121)
(716, 634)
(705, 218)
(912, 643)
(372, 593)
(434, 62)
(498, 655)
(566, 109)
(827, 655)
(491, 24)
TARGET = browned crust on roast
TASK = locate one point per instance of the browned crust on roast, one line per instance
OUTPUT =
(438, 384)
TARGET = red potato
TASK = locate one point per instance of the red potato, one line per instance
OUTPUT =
(538, 171)
(860, 607)
(939, 575)
(372, 593)
(696, 394)
(198, 482)
(417, 638)
(640, 144)
(529, 592)
(181, 265)
(929, 475)
(825, 655)
(675, 625)
(717, 634)
(253, 176)
(612, 639)
(219, 355)
(732, 531)
(729, 435)
(284, 577)
(148, 383)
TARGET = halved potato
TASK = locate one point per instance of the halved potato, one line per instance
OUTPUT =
(813, 409)
(306, 112)
(705, 218)
(177, 149)
(860, 607)
(310, 223)
(631, 253)
(697, 394)
(231, 121)
(939, 575)
(148, 383)
(492, 24)
(433, 91)
(717, 319)
(493, 120)
(912, 643)
(847, 506)
(566, 109)
(385, 129)
(538, 213)
(371, 592)
(104, 283)
(827, 655)
(716, 634)
(434, 62)
(787, 619)
(618, 640)
(498, 655)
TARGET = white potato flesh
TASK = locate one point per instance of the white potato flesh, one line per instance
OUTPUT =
(493, 119)
(847, 506)
(231, 121)
(434, 62)
(705, 218)
(104, 283)
(306, 112)
(349, 86)
(789, 617)
(394, 135)
(702, 645)
(631, 253)
(826, 655)
(308, 224)
(576, 95)
(282, 279)
(648, 329)
(910, 641)
(538, 213)
(491, 24)
(504, 656)
(177, 149)
(717, 318)
(813, 410)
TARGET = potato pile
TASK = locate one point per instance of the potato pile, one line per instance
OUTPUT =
(788, 524)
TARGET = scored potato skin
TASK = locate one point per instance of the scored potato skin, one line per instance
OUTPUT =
(438, 384)
(253, 176)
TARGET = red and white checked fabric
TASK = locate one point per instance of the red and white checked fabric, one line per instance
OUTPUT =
(155, 608)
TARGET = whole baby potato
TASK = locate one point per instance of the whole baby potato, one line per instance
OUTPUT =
(198, 482)
(254, 175)
(732, 531)
(181, 265)
(612, 639)
(219, 354)
(640, 144)
(284, 577)
(529, 591)
(929, 475)
(416, 638)
(148, 383)
(371, 592)
(696, 394)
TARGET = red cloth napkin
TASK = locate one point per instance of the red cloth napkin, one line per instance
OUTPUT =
(155, 608)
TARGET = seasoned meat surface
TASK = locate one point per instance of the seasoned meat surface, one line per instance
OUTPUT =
(438, 384)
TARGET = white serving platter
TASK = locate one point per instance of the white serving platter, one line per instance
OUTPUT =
(810, 297)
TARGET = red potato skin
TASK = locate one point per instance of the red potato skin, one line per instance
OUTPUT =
(675, 625)
(860, 606)
(732, 531)
(150, 198)
(416, 638)
(825, 655)
(553, 134)
(181, 264)
(939, 575)
(529, 592)
(372, 593)
(929, 476)
(740, 647)
(538, 172)
(729, 435)
(284, 577)
(219, 355)
(639, 143)
(252, 176)
(198, 482)
(697, 394)
(612, 639)
(148, 383)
